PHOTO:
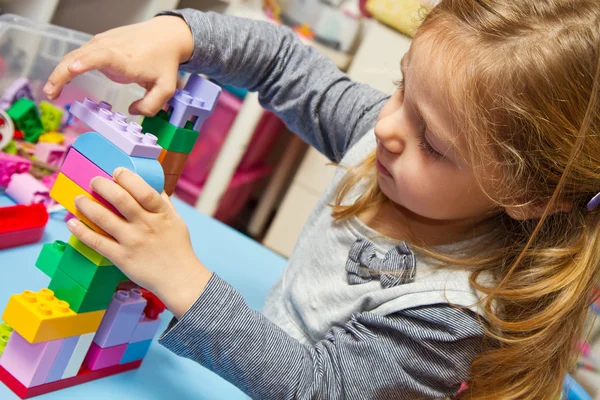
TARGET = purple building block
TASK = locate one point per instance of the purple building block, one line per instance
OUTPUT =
(198, 98)
(121, 318)
(19, 88)
(127, 136)
(98, 358)
(145, 329)
(30, 363)
(62, 359)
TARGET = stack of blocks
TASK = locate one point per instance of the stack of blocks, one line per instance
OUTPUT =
(79, 328)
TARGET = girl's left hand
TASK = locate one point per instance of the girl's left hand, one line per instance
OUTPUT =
(150, 243)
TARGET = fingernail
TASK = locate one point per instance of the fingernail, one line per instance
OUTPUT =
(72, 223)
(94, 179)
(75, 65)
(117, 172)
(78, 198)
(48, 88)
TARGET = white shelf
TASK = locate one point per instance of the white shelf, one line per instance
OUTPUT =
(37, 10)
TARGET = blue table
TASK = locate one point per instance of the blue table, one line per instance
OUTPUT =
(245, 264)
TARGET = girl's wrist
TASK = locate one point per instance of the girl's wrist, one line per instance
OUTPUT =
(184, 39)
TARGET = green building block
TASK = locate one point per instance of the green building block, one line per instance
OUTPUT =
(90, 276)
(25, 116)
(88, 252)
(50, 256)
(50, 115)
(170, 137)
(79, 299)
(5, 332)
(11, 148)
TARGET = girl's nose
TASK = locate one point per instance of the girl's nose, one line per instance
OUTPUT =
(388, 133)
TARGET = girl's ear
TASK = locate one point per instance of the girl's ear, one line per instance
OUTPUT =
(536, 210)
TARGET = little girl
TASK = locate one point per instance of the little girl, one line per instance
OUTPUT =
(453, 245)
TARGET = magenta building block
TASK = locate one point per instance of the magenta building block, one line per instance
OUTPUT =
(25, 189)
(98, 357)
(145, 329)
(81, 170)
(198, 98)
(121, 318)
(19, 88)
(127, 136)
(10, 165)
(29, 363)
(50, 153)
(62, 359)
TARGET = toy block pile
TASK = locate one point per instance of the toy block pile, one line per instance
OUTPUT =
(82, 327)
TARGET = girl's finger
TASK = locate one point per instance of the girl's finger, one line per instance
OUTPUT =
(108, 221)
(100, 243)
(117, 196)
(139, 189)
(156, 97)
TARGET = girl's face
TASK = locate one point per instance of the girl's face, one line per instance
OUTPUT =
(420, 152)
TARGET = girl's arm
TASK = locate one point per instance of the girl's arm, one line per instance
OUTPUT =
(421, 352)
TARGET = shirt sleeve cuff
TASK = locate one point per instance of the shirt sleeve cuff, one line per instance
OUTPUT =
(202, 315)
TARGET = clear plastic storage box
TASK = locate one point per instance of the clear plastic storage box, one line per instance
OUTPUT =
(32, 50)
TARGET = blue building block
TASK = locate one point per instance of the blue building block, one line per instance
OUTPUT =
(108, 157)
(62, 359)
(136, 351)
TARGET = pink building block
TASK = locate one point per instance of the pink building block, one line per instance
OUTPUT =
(48, 180)
(19, 88)
(145, 329)
(25, 189)
(50, 153)
(80, 170)
(114, 127)
(29, 363)
(98, 357)
(198, 98)
(121, 318)
(11, 164)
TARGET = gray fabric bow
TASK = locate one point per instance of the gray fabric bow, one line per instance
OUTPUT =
(397, 267)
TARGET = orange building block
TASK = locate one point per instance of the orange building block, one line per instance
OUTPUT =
(40, 317)
(64, 192)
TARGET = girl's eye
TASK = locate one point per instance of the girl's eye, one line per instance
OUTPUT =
(400, 86)
(427, 148)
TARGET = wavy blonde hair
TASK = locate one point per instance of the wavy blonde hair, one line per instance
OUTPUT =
(528, 99)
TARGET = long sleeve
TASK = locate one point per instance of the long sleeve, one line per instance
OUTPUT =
(422, 352)
(304, 88)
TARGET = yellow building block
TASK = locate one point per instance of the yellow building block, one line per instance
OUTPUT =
(40, 316)
(89, 253)
(64, 192)
(52, 137)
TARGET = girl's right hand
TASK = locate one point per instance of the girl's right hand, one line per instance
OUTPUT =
(148, 53)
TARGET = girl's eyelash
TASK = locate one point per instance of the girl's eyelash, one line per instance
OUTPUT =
(427, 148)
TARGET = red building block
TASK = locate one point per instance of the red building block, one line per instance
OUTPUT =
(154, 307)
(22, 224)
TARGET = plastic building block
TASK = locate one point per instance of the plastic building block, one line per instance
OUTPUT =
(121, 318)
(81, 171)
(145, 330)
(84, 342)
(11, 164)
(50, 256)
(81, 300)
(88, 252)
(170, 137)
(18, 89)
(171, 183)
(83, 376)
(25, 116)
(98, 357)
(136, 351)
(5, 332)
(62, 359)
(25, 189)
(7, 130)
(154, 307)
(51, 137)
(40, 317)
(108, 157)
(172, 162)
(50, 115)
(29, 363)
(50, 153)
(88, 274)
(22, 224)
(127, 136)
(48, 180)
(198, 98)
(65, 191)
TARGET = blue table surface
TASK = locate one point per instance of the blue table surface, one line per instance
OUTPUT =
(244, 263)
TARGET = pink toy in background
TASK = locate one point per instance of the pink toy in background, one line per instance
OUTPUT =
(25, 189)
(50, 153)
(10, 165)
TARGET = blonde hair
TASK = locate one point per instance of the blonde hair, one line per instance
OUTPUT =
(524, 82)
